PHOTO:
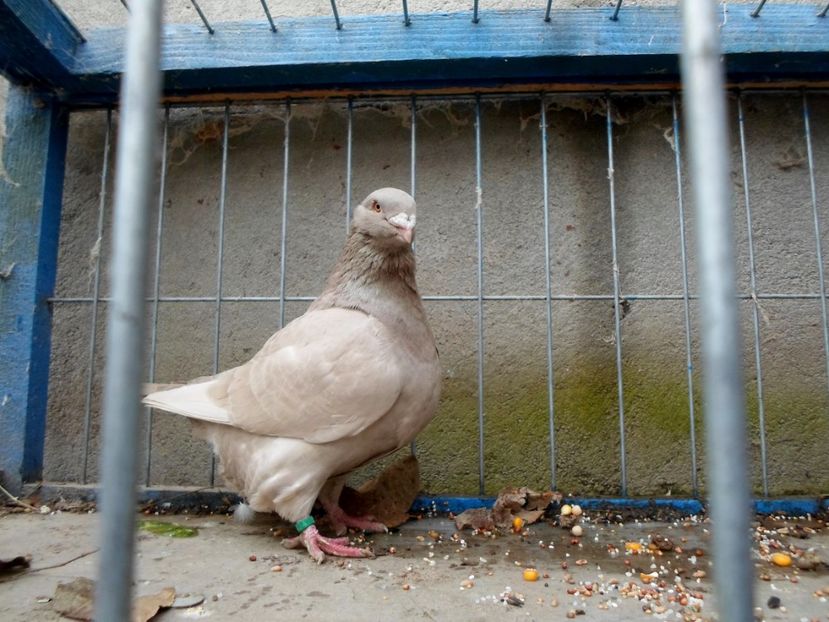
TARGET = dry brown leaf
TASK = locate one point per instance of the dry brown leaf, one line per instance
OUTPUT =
(145, 607)
(477, 518)
(524, 503)
(76, 600)
(388, 496)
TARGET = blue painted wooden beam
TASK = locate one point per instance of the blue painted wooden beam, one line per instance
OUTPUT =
(447, 50)
(577, 46)
(37, 43)
(31, 187)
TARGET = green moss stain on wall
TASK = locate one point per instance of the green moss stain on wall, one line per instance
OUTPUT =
(657, 425)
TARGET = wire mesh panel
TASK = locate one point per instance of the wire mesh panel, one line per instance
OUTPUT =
(554, 246)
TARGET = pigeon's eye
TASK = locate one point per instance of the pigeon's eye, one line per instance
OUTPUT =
(376, 207)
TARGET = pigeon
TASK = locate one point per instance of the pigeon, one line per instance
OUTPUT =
(353, 379)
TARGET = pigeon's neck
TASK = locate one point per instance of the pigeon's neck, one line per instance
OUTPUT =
(368, 275)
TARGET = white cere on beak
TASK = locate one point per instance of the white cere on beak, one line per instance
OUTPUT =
(403, 221)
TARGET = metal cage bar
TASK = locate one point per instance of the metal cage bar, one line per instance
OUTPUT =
(452, 298)
(413, 190)
(283, 232)
(217, 305)
(413, 151)
(755, 307)
(617, 297)
(336, 15)
(96, 286)
(202, 17)
(807, 131)
(348, 156)
(479, 229)
(686, 307)
(756, 12)
(159, 230)
(728, 485)
(268, 15)
(549, 298)
(125, 328)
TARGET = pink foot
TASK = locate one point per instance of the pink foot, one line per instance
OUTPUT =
(341, 521)
(318, 545)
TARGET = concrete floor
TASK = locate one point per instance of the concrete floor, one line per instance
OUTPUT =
(421, 580)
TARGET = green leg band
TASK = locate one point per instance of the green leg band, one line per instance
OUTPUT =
(302, 525)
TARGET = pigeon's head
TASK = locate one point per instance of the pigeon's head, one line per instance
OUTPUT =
(387, 216)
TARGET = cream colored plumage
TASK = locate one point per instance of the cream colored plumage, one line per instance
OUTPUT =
(353, 379)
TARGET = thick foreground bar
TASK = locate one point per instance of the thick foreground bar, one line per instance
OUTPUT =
(728, 486)
(125, 327)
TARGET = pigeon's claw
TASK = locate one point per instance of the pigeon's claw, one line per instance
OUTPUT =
(318, 545)
(341, 521)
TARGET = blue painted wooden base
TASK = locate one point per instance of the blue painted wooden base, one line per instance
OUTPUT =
(216, 499)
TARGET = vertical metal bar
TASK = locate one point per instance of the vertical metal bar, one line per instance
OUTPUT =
(125, 329)
(286, 153)
(756, 12)
(268, 15)
(479, 225)
(336, 15)
(755, 307)
(348, 150)
(201, 15)
(413, 186)
(689, 364)
(549, 284)
(156, 289)
(96, 288)
(726, 451)
(615, 16)
(217, 326)
(547, 10)
(406, 20)
(475, 18)
(413, 142)
(815, 215)
(617, 312)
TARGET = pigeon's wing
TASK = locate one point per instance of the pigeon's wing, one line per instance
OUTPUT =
(327, 375)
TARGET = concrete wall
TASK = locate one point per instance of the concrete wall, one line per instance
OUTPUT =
(516, 437)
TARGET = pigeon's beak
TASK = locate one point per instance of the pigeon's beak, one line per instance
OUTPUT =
(405, 234)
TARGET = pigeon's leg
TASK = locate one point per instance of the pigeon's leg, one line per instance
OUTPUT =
(318, 545)
(329, 497)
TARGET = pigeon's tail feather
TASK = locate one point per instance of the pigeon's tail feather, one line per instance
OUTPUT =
(155, 387)
(191, 400)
